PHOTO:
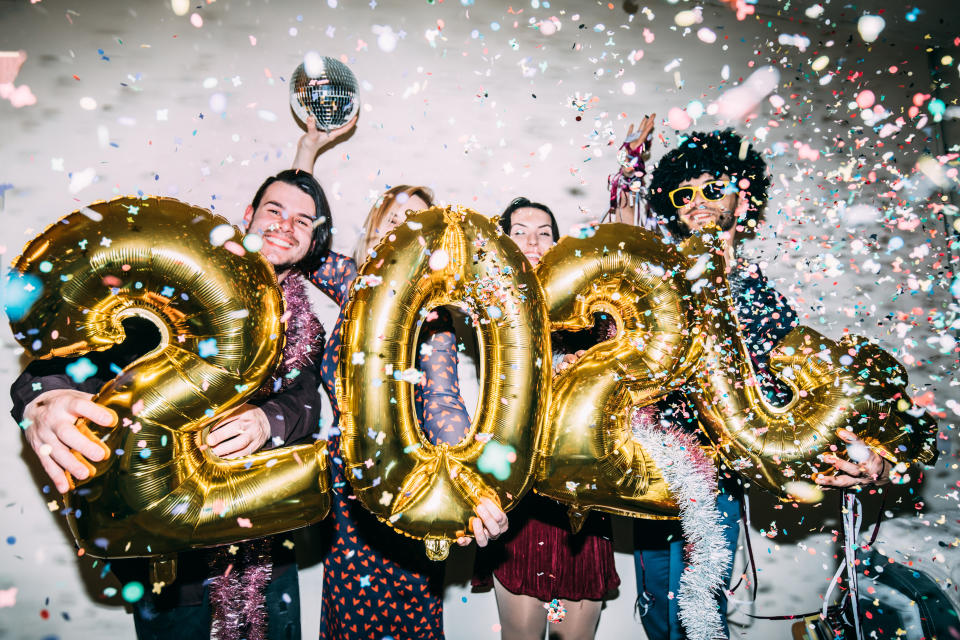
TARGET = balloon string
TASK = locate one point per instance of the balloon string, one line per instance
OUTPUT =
(851, 523)
(751, 561)
(795, 616)
(851, 531)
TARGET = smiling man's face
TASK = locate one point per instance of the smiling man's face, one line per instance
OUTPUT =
(707, 199)
(284, 219)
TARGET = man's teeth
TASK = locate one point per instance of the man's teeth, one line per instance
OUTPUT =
(280, 242)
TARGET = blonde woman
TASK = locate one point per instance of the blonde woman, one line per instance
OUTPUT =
(376, 582)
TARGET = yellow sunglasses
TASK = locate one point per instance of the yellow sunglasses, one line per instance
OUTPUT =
(713, 191)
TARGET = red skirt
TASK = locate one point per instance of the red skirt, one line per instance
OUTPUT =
(540, 557)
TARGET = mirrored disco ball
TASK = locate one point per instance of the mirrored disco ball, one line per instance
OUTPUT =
(326, 89)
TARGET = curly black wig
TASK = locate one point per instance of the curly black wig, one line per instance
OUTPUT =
(716, 153)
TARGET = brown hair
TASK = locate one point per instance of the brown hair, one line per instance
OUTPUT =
(371, 236)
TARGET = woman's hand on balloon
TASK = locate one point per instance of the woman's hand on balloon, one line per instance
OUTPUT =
(489, 524)
(567, 361)
(241, 433)
(59, 443)
(867, 467)
(310, 143)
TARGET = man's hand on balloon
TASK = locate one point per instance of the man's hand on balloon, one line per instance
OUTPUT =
(241, 433)
(59, 443)
(865, 467)
(310, 143)
(489, 524)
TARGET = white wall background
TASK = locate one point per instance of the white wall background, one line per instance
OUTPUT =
(482, 113)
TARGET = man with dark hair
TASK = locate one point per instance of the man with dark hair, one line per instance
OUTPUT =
(319, 221)
(291, 215)
(719, 178)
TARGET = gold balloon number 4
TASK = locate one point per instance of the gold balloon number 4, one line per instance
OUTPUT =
(218, 313)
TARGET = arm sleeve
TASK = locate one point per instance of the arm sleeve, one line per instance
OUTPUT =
(335, 277)
(294, 413)
(444, 415)
(766, 318)
(46, 375)
(55, 373)
(100, 367)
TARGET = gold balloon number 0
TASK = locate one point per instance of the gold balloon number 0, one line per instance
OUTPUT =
(425, 490)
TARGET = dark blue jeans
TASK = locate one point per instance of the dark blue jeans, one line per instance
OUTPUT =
(192, 622)
(658, 555)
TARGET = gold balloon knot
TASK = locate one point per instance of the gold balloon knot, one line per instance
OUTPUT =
(437, 548)
(454, 216)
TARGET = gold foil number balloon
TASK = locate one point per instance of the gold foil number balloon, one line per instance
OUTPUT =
(849, 384)
(589, 458)
(219, 317)
(442, 257)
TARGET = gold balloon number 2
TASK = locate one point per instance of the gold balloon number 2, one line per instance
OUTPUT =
(218, 313)
(589, 458)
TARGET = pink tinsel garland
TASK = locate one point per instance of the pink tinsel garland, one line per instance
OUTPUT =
(239, 580)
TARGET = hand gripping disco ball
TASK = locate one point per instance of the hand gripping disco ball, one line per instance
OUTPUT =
(326, 89)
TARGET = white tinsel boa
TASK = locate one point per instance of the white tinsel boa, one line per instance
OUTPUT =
(691, 477)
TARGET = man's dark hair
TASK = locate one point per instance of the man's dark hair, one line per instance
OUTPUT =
(322, 226)
(716, 153)
(506, 218)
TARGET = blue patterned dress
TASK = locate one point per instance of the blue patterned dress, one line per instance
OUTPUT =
(376, 582)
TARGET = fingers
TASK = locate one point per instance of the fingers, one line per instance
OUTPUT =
(496, 515)
(85, 442)
(840, 481)
(95, 413)
(463, 541)
(349, 124)
(228, 439)
(61, 445)
(233, 447)
(492, 517)
(238, 435)
(57, 459)
(849, 473)
(487, 519)
(849, 436)
(223, 431)
(248, 449)
(56, 474)
(565, 362)
(479, 532)
(873, 465)
(843, 466)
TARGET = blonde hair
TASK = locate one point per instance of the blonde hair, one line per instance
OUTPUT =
(378, 212)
